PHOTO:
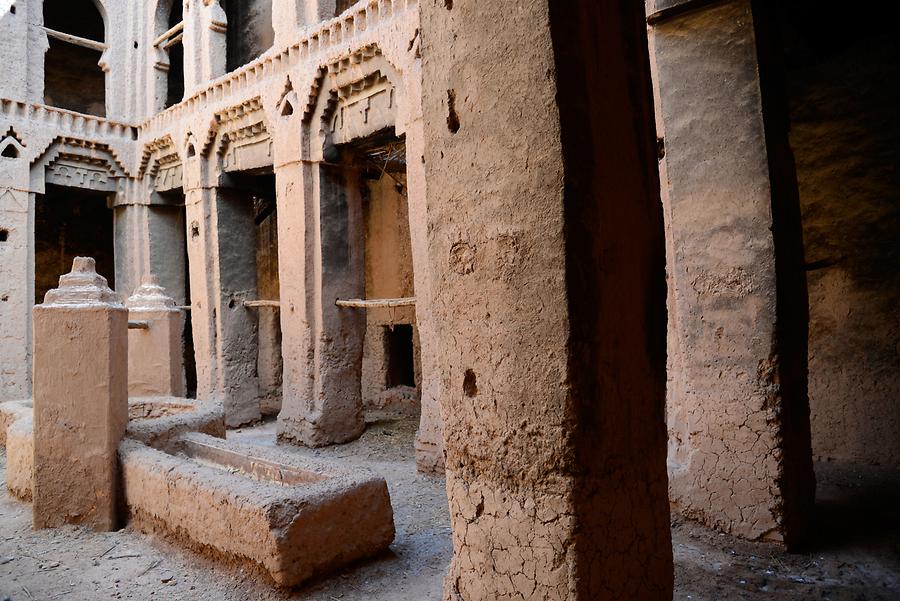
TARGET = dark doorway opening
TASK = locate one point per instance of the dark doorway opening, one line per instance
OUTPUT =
(398, 346)
(69, 223)
(255, 244)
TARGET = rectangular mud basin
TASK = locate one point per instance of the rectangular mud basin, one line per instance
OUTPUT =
(294, 518)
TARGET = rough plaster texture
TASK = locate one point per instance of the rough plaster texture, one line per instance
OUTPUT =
(389, 274)
(220, 237)
(17, 436)
(295, 515)
(845, 135)
(552, 379)
(246, 120)
(736, 456)
(153, 421)
(10, 412)
(80, 400)
(269, 365)
(20, 458)
(155, 357)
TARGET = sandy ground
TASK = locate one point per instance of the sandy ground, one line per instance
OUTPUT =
(854, 555)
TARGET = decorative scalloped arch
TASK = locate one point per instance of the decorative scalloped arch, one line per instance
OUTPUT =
(242, 125)
(339, 77)
(94, 157)
(156, 152)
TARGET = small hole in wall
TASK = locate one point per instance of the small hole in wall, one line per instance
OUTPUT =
(10, 152)
(135, 45)
(660, 148)
(287, 110)
(4, 235)
(470, 384)
(12, 9)
(231, 303)
(448, 4)
(195, 230)
(4, 298)
(452, 117)
(191, 151)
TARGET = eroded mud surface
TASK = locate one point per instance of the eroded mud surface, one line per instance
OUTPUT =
(855, 554)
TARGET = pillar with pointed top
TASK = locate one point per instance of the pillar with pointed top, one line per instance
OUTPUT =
(80, 400)
(155, 353)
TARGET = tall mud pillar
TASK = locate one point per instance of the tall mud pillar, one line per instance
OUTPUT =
(16, 270)
(320, 260)
(223, 276)
(546, 250)
(293, 278)
(429, 441)
(80, 401)
(205, 27)
(738, 414)
(155, 353)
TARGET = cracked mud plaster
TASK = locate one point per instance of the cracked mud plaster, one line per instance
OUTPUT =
(548, 500)
(525, 541)
(733, 404)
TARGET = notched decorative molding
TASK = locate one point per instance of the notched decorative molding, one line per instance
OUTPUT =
(78, 164)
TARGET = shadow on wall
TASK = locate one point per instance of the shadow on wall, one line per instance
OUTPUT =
(250, 31)
(844, 89)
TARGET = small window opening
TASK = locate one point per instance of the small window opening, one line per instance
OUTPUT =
(398, 346)
(341, 5)
(250, 31)
(172, 41)
(10, 152)
(4, 235)
(73, 78)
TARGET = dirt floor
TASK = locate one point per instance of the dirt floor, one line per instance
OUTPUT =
(855, 554)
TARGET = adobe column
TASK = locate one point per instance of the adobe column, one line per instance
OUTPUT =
(205, 27)
(319, 236)
(738, 414)
(155, 357)
(221, 275)
(17, 201)
(296, 421)
(546, 253)
(80, 400)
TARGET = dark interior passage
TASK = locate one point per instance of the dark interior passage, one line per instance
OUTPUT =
(175, 75)
(342, 5)
(843, 87)
(398, 342)
(70, 223)
(169, 252)
(250, 31)
(255, 192)
(390, 361)
(73, 78)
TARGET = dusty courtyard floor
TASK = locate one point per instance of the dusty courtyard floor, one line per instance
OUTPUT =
(855, 555)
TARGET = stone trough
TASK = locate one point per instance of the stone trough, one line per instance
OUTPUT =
(156, 420)
(257, 506)
(152, 420)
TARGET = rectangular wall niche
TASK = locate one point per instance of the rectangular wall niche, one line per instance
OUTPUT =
(400, 352)
(69, 223)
